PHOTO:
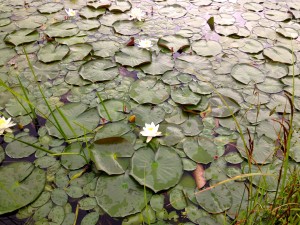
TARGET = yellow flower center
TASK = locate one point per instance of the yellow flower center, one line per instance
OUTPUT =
(150, 128)
(2, 121)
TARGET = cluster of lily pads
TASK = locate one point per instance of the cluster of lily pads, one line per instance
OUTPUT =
(126, 108)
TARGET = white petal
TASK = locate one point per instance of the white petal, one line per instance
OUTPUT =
(148, 139)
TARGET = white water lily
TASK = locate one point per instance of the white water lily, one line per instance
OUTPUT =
(150, 131)
(70, 12)
(145, 44)
(5, 125)
(137, 13)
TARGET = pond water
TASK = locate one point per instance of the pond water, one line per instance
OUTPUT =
(84, 88)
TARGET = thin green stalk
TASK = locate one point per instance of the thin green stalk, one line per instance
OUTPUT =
(102, 103)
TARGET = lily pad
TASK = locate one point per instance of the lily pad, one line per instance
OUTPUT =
(172, 134)
(51, 52)
(224, 19)
(21, 183)
(132, 56)
(280, 54)
(20, 149)
(79, 118)
(287, 32)
(174, 42)
(115, 129)
(158, 170)
(5, 55)
(251, 46)
(183, 95)
(149, 90)
(120, 6)
(223, 107)
(111, 154)
(207, 48)
(277, 15)
(159, 65)
(126, 27)
(173, 11)
(120, 195)
(198, 153)
(22, 36)
(98, 70)
(105, 48)
(245, 74)
(148, 114)
(74, 162)
(51, 7)
(62, 29)
(114, 110)
(90, 13)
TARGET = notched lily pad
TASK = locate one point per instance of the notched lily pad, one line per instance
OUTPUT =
(174, 42)
(132, 56)
(22, 36)
(51, 52)
(51, 7)
(280, 54)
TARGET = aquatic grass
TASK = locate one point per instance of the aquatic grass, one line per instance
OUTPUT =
(102, 103)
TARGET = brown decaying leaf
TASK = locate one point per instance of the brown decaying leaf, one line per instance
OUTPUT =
(198, 174)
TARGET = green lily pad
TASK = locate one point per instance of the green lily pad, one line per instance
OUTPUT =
(105, 48)
(2, 154)
(22, 36)
(5, 55)
(192, 126)
(224, 19)
(21, 183)
(74, 162)
(245, 74)
(215, 200)
(51, 7)
(115, 129)
(280, 54)
(200, 87)
(158, 170)
(120, 195)
(174, 43)
(288, 32)
(32, 22)
(251, 46)
(173, 11)
(133, 56)
(111, 154)
(18, 150)
(183, 95)
(147, 114)
(57, 214)
(59, 196)
(126, 27)
(223, 109)
(207, 48)
(277, 15)
(191, 64)
(90, 13)
(116, 109)
(79, 118)
(62, 29)
(90, 219)
(120, 6)
(98, 70)
(159, 65)
(198, 152)
(51, 52)
(172, 134)
(149, 90)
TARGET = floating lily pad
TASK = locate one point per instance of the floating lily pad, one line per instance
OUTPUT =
(50, 7)
(251, 46)
(21, 183)
(115, 129)
(280, 54)
(5, 55)
(183, 95)
(120, 6)
(132, 56)
(79, 118)
(62, 29)
(51, 52)
(277, 15)
(120, 195)
(192, 64)
(74, 162)
(224, 19)
(287, 32)
(245, 74)
(88, 24)
(148, 114)
(111, 154)
(223, 107)
(22, 36)
(90, 13)
(32, 22)
(19, 149)
(172, 134)
(158, 170)
(98, 70)
(105, 48)
(207, 48)
(174, 42)
(159, 65)
(198, 153)
(114, 110)
(149, 90)
(126, 27)
(173, 11)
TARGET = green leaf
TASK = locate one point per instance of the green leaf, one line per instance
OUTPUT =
(133, 56)
(245, 74)
(157, 170)
(280, 54)
(22, 36)
(50, 52)
(21, 183)
(62, 29)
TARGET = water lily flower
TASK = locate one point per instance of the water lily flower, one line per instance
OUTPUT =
(150, 131)
(137, 13)
(70, 12)
(145, 44)
(5, 125)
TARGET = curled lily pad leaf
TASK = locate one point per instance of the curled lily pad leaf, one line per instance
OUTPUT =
(223, 107)
(245, 74)
(120, 195)
(22, 36)
(149, 90)
(280, 54)
(98, 70)
(158, 170)
(79, 118)
(174, 42)
(207, 48)
(21, 183)
(51, 52)
(111, 154)
(132, 56)
(215, 200)
(173, 11)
